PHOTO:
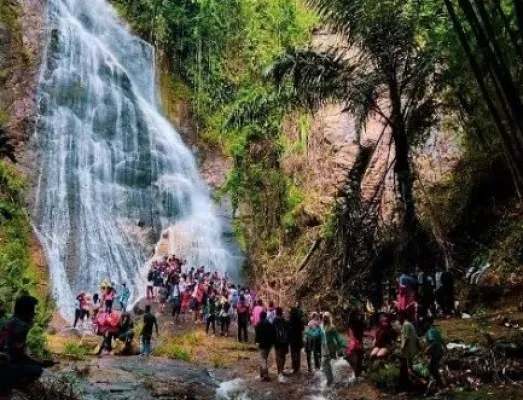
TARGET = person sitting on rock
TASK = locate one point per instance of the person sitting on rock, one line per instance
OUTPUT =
(385, 339)
(126, 332)
(17, 368)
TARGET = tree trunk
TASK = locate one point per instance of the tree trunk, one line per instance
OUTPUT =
(512, 34)
(507, 90)
(402, 167)
(518, 6)
(511, 156)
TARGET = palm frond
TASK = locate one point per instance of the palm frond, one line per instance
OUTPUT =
(316, 77)
(258, 108)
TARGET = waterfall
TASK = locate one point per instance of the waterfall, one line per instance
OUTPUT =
(114, 173)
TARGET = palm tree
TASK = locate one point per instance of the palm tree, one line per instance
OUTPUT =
(387, 69)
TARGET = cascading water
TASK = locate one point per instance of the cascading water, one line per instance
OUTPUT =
(114, 173)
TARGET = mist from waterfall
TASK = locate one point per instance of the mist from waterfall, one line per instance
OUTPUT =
(114, 173)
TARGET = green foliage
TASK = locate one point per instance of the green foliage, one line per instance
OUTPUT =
(75, 350)
(9, 14)
(385, 376)
(507, 254)
(220, 50)
(17, 275)
(294, 201)
(178, 353)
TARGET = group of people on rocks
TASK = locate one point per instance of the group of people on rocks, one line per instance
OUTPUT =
(210, 298)
(108, 316)
(89, 307)
(396, 333)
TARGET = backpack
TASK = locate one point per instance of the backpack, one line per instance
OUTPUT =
(282, 333)
(314, 333)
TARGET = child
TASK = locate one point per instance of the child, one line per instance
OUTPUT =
(435, 350)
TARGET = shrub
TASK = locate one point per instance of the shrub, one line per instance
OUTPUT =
(176, 352)
(75, 350)
(385, 377)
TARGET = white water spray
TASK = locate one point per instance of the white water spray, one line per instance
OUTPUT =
(114, 172)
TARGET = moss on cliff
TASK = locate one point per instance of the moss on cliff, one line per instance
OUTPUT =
(22, 268)
(19, 273)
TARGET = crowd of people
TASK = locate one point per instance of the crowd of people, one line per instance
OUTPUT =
(405, 331)
(199, 297)
(193, 295)
(209, 298)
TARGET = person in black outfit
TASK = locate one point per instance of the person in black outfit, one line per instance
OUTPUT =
(243, 311)
(149, 322)
(447, 286)
(17, 368)
(265, 338)
(296, 338)
(126, 332)
(281, 345)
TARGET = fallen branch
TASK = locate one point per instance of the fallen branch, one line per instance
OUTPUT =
(307, 258)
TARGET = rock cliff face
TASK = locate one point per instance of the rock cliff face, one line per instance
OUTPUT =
(319, 150)
(332, 147)
(22, 29)
(22, 25)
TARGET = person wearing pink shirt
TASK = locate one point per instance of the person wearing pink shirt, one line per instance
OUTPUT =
(257, 310)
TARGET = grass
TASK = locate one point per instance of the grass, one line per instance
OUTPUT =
(176, 352)
(196, 346)
(75, 350)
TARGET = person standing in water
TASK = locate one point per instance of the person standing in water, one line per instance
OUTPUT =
(331, 345)
(314, 340)
(149, 322)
